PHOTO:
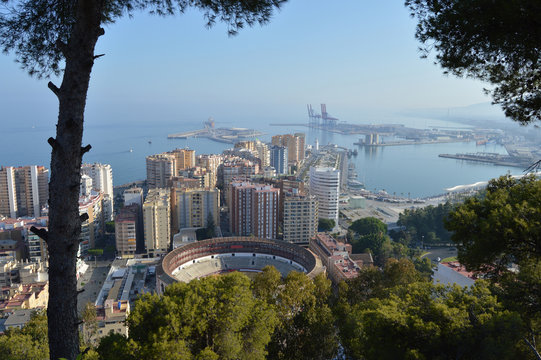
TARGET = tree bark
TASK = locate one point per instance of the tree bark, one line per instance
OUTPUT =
(66, 157)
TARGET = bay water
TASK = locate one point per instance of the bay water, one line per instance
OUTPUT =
(409, 170)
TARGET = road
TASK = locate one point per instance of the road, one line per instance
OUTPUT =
(440, 252)
(91, 282)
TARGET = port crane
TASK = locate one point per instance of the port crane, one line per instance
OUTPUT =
(324, 120)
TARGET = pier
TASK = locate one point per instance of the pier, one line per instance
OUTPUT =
(491, 158)
(224, 135)
(414, 142)
(187, 134)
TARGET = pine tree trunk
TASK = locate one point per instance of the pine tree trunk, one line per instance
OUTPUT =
(66, 157)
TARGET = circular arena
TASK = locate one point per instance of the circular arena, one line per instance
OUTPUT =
(245, 254)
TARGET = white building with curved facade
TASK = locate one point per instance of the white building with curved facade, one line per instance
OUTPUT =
(325, 185)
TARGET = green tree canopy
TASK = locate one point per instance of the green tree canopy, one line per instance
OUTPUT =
(497, 41)
(501, 228)
(28, 343)
(306, 323)
(369, 226)
(95, 252)
(214, 317)
(498, 235)
(326, 224)
(209, 231)
(420, 320)
(426, 223)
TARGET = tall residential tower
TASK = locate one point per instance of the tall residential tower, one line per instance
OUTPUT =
(24, 190)
(325, 185)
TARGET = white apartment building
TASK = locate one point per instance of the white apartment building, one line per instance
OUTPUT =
(133, 196)
(102, 181)
(325, 185)
(86, 185)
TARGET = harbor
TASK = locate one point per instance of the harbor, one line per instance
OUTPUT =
(224, 135)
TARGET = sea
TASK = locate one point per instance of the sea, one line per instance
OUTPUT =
(410, 170)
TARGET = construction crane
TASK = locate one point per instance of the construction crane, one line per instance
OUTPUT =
(324, 120)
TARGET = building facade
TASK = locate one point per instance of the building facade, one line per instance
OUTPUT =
(211, 163)
(254, 210)
(24, 190)
(157, 222)
(300, 217)
(184, 159)
(94, 226)
(335, 256)
(127, 231)
(295, 145)
(160, 169)
(102, 181)
(325, 185)
(37, 247)
(278, 159)
(133, 196)
(192, 207)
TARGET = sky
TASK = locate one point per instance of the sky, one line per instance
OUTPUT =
(357, 56)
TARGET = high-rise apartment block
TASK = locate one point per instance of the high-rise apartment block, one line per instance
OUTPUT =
(8, 196)
(157, 221)
(102, 181)
(184, 159)
(24, 190)
(93, 227)
(236, 168)
(160, 169)
(37, 248)
(211, 163)
(254, 210)
(260, 149)
(86, 185)
(127, 230)
(101, 175)
(300, 217)
(295, 145)
(325, 185)
(134, 196)
(193, 207)
(203, 177)
(278, 159)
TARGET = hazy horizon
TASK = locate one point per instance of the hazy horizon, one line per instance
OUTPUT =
(360, 58)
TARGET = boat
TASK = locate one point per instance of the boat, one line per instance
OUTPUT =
(131, 149)
(355, 184)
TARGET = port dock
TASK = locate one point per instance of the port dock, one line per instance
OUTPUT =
(224, 135)
(491, 158)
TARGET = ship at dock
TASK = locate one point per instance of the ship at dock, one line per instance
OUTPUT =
(352, 182)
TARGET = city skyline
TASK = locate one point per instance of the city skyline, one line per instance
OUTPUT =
(357, 57)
